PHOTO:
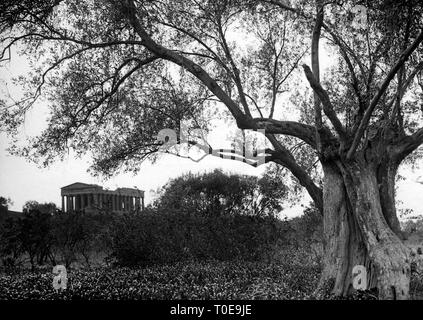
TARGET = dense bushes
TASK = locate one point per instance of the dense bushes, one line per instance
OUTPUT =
(207, 216)
(153, 237)
(157, 237)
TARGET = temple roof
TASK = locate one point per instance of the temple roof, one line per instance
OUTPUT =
(80, 185)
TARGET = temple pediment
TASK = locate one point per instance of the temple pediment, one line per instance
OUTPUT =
(80, 185)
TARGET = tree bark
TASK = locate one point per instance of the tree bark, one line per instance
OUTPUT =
(360, 230)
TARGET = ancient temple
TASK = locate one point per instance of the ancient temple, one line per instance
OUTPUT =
(93, 198)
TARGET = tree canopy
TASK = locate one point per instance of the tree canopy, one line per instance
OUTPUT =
(114, 73)
(223, 194)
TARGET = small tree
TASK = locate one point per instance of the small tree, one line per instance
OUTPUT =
(4, 205)
(11, 247)
(73, 233)
(220, 193)
(35, 236)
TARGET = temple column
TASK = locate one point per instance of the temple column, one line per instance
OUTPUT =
(89, 198)
(78, 202)
(109, 202)
(142, 203)
(63, 203)
(138, 203)
(67, 203)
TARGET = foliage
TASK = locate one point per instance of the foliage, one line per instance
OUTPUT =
(74, 233)
(223, 194)
(45, 208)
(157, 237)
(10, 245)
(35, 235)
(413, 225)
(189, 280)
(109, 88)
(192, 280)
(4, 203)
(50, 236)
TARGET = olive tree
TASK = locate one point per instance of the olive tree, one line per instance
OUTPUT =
(114, 73)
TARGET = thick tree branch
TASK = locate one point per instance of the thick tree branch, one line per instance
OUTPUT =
(258, 158)
(409, 144)
(282, 156)
(292, 128)
(315, 65)
(130, 12)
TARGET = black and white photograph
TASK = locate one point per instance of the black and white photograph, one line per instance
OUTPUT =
(207, 155)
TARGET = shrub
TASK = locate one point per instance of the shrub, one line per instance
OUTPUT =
(155, 237)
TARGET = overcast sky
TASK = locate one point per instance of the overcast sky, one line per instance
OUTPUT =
(23, 181)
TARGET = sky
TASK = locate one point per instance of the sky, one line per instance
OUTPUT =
(21, 180)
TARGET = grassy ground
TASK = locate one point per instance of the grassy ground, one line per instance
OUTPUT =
(189, 280)
(213, 280)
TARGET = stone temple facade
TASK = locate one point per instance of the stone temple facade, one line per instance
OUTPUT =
(93, 198)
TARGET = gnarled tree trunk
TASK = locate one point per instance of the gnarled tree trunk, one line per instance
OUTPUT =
(361, 229)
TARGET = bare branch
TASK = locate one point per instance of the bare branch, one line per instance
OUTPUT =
(327, 104)
(403, 89)
(255, 104)
(367, 115)
(236, 74)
